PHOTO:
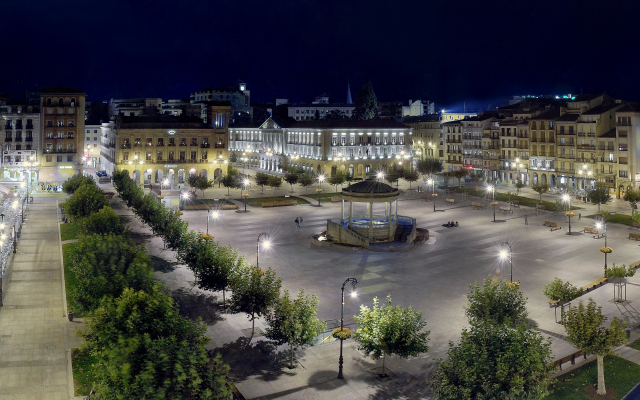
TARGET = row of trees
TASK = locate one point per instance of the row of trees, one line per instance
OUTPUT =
(135, 355)
(254, 291)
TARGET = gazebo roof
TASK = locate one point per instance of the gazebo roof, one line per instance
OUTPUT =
(370, 190)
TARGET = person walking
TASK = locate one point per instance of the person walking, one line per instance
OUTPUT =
(300, 221)
(297, 223)
(526, 221)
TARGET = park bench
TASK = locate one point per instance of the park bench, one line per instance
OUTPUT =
(554, 303)
(108, 195)
(540, 207)
(592, 285)
(635, 225)
(506, 209)
(555, 228)
(635, 236)
(336, 199)
(550, 223)
(426, 197)
(635, 265)
(589, 229)
(598, 235)
(208, 206)
(476, 205)
(571, 357)
(515, 203)
(279, 203)
(450, 200)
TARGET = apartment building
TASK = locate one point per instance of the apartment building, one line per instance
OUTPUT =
(627, 129)
(62, 115)
(427, 136)
(20, 140)
(452, 145)
(472, 133)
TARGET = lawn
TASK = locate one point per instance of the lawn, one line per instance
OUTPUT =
(635, 345)
(81, 363)
(257, 201)
(325, 197)
(619, 375)
(70, 281)
(523, 201)
(617, 218)
(70, 231)
(211, 202)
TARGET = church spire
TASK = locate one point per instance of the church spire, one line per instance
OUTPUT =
(349, 100)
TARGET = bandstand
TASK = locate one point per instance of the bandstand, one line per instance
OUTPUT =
(370, 215)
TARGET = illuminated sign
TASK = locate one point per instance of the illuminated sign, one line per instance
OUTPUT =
(171, 132)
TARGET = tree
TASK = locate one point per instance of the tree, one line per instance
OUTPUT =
(410, 176)
(619, 272)
(541, 189)
(392, 177)
(306, 180)
(337, 179)
(73, 183)
(254, 292)
(86, 200)
(294, 322)
(233, 157)
(229, 181)
(429, 167)
(366, 105)
(275, 182)
(103, 222)
(145, 350)
(459, 174)
(633, 197)
(261, 179)
(562, 292)
(390, 330)
(213, 266)
(584, 331)
(476, 177)
(199, 182)
(291, 179)
(495, 362)
(496, 302)
(599, 194)
(519, 185)
(104, 265)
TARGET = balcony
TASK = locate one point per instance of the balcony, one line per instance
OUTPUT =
(219, 146)
(586, 160)
(28, 139)
(205, 145)
(586, 147)
(18, 138)
(567, 171)
(125, 146)
(623, 123)
(61, 151)
(8, 139)
(29, 127)
(622, 149)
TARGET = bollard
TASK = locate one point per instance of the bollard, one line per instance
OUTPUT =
(628, 332)
(70, 316)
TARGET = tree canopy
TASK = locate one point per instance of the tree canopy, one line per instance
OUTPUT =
(429, 166)
(390, 330)
(541, 189)
(306, 180)
(599, 194)
(291, 178)
(103, 222)
(261, 179)
(86, 200)
(366, 105)
(199, 182)
(73, 183)
(497, 302)
(254, 292)
(633, 197)
(294, 321)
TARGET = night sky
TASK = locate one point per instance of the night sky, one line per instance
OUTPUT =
(446, 51)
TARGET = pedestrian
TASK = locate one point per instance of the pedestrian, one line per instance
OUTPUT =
(297, 223)
(300, 221)
(526, 221)
(579, 215)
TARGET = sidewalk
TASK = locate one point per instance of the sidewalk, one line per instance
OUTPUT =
(34, 356)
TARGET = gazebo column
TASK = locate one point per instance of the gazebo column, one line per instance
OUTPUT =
(350, 213)
(370, 221)
(342, 211)
(386, 209)
(396, 210)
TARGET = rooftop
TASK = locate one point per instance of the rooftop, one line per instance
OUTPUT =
(602, 108)
(60, 89)
(422, 118)
(630, 107)
(349, 124)
(370, 186)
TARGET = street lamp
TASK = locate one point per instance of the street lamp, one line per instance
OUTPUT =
(213, 215)
(600, 224)
(165, 182)
(183, 197)
(354, 282)
(266, 243)
(245, 183)
(492, 189)
(504, 254)
(432, 182)
(567, 199)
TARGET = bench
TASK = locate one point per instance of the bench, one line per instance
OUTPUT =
(279, 203)
(635, 265)
(208, 206)
(635, 225)
(635, 236)
(450, 200)
(426, 197)
(515, 203)
(550, 223)
(593, 285)
(108, 195)
(589, 229)
(506, 209)
(336, 199)
(555, 228)
(571, 357)
(598, 235)
(476, 205)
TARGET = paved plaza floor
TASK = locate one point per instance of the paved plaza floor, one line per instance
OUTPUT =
(433, 278)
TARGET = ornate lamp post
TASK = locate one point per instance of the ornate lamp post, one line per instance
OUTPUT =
(183, 197)
(600, 224)
(213, 215)
(321, 179)
(266, 243)
(504, 254)
(244, 196)
(354, 282)
(567, 199)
